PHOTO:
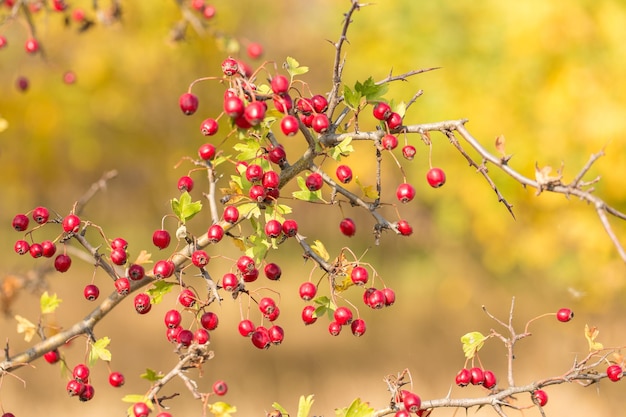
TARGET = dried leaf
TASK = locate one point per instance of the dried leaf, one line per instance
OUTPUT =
(26, 327)
(500, 141)
(144, 257)
(591, 333)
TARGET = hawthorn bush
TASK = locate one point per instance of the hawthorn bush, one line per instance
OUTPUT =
(275, 155)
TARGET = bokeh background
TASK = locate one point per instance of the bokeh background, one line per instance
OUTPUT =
(549, 76)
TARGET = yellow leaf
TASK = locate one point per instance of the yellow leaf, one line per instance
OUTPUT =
(144, 257)
(221, 409)
(319, 248)
(49, 303)
(591, 333)
(3, 124)
(26, 327)
(472, 342)
(239, 244)
(344, 285)
(368, 191)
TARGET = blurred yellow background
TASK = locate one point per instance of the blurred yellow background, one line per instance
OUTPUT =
(546, 75)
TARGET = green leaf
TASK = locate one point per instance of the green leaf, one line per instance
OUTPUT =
(184, 209)
(134, 398)
(158, 290)
(344, 148)
(152, 375)
(99, 351)
(399, 108)
(293, 67)
(250, 210)
(370, 90)
(324, 306)
(304, 405)
(351, 98)
(248, 149)
(49, 303)
(259, 247)
(472, 342)
(280, 408)
(356, 409)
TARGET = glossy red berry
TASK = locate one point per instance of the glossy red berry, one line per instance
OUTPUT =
(20, 222)
(185, 183)
(245, 264)
(136, 272)
(277, 334)
(49, 248)
(87, 393)
(172, 318)
(307, 290)
(273, 228)
(142, 303)
(436, 177)
(74, 387)
(308, 315)
(246, 328)
(172, 333)
(405, 192)
(71, 223)
(409, 151)
(489, 380)
(272, 271)
(320, 123)
(394, 121)
(314, 181)
(277, 155)
(220, 387)
(206, 152)
(184, 337)
(390, 296)
(267, 305)
(254, 112)
(411, 401)
(200, 258)
(344, 174)
(540, 397)
(478, 376)
(270, 180)
(36, 250)
(234, 106)
(163, 269)
(359, 275)
(402, 413)
(21, 247)
(358, 327)
(62, 263)
(116, 379)
(215, 233)
(334, 328)
(260, 338)
(201, 336)
(381, 111)
(122, 286)
(52, 356)
(404, 228)
(320, 104)
(279, 84)
(230, 66)
(187, 298)
(119, 256)
(389, 142)
(343, 315)
(31, 45)
(230, 282)
(289, 125)
(254, 50)
(91, 292)
(209, 320)
(463, 377)
(81, 373)
(564, 315)
(231, 214)
(141, 409)
(188, 103)
(119, 243)
(614, 372)
(290, 228)
(376, 299)
(209, 127)
(254, 173)
(347, 227)
(41, 215)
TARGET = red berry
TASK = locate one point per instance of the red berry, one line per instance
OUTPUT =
(142, 303)
(201, 336)
(62, 263)
(188, 103)
(283, 103)
(119, 256)
(185, 337)
(614, 372)
(279, 84)
(215, 233)
(273, 228)
(41, 215)
(246, 328)
(478, 376)
(320, 104)
(307, 290)
(220, 387)
(230, 282)
(209, 320)
(52, 356)
(74, 387)
(270, 180)
(231, 214)
(304, 106)
(358, 327)
(376, 299)
(272, 271)
(91, 292)
(254, 50)
(409, 151)
(564, 315)
(245, 264)
(36, 250)
(209, 127)
(540, 397)
(405, 192)
(463, 378)
(119, 243)
(200, 258)
(343, 315)
(254, 112)
(390, 296)
(141, 409)
(22, 83)
(344, 174)
(49, 248)
(136, 272)
(172, 318)
(71, 223)
(81, 373)
(277, 334)
(261, 338)
(411, 401)
(267, 305)
(21, 247)
(381, 111)
(290, 228)
(206, 152)
(230, 66)
(359, 275)
(185, 183)
(402, 413)
(436, 177)
(389, 142)
(320, 123)
(314, 181)
(3, 42)
(87, 394)
(20, 222)
(209, 11)
(289, 125)
(489, 380)
(404, 228)
(163, 269)
(161, 238)
(233, 106)
(308, 315)
(347, 227)
(187, 298)
(116, 379)
(334, 328)
(122, 286)
(172, 333)
(254, 173)
(69, 77)
(31, 45)
(394, 121)
(277, 155)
